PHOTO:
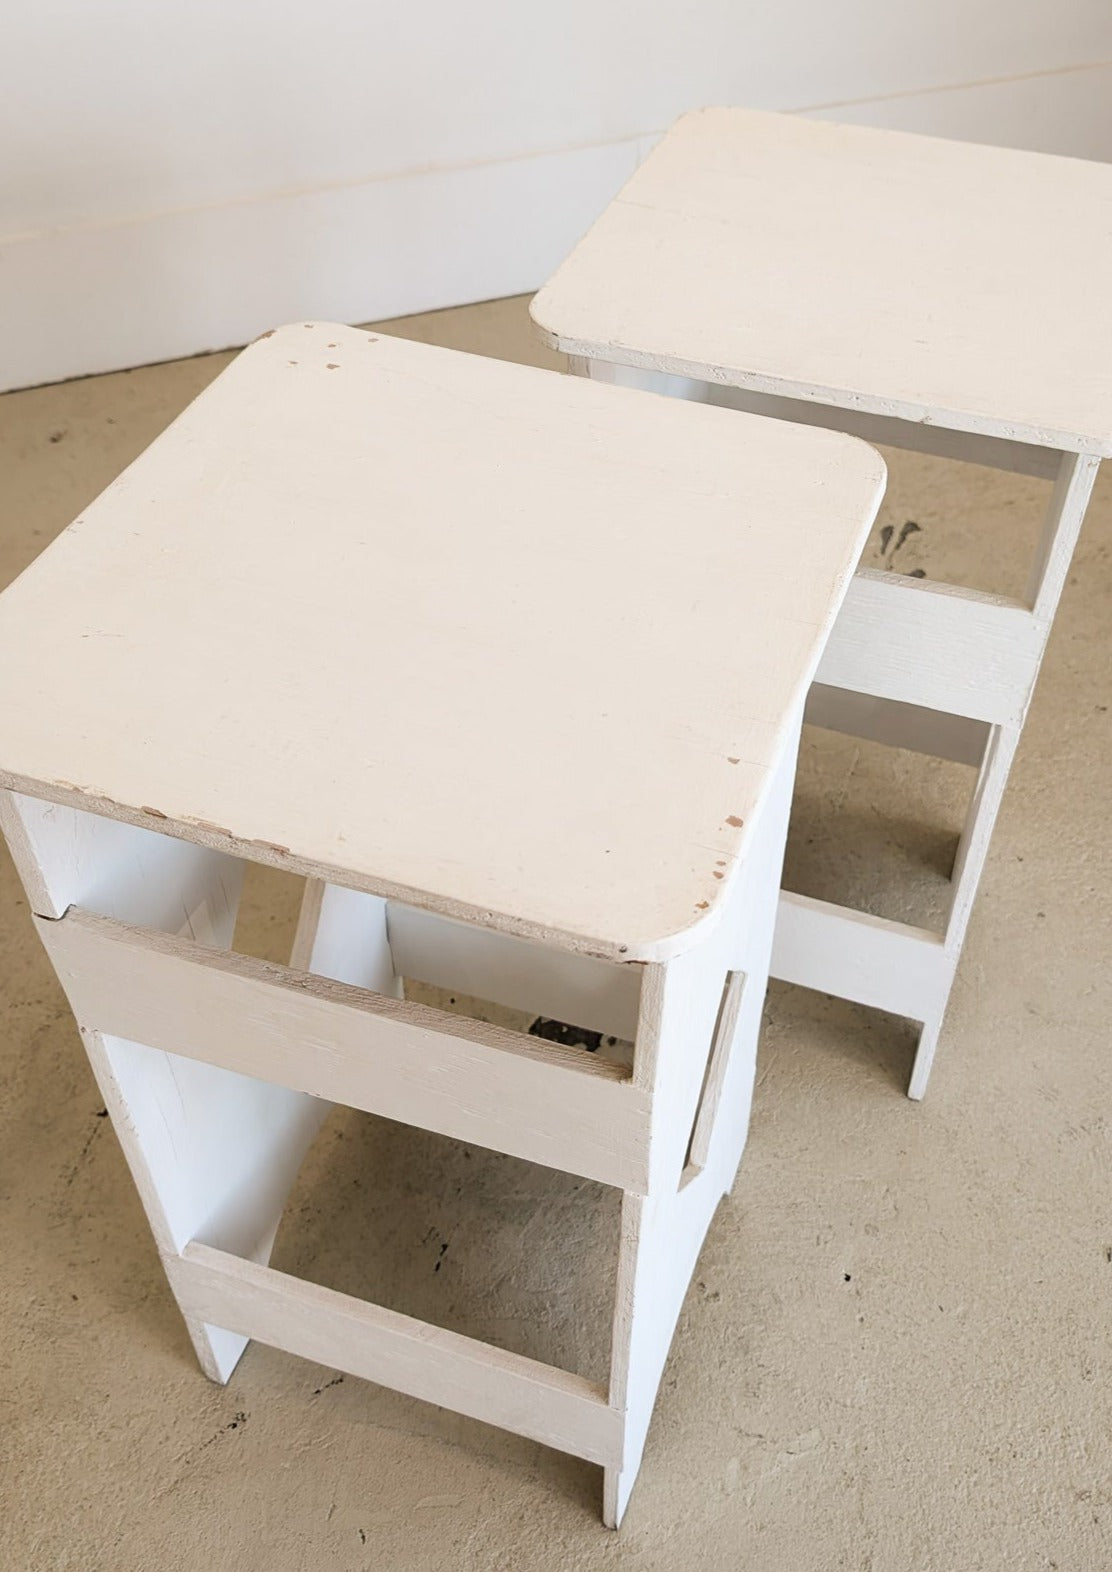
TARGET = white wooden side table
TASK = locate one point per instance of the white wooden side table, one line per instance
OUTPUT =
(944, 298)
(340, 618)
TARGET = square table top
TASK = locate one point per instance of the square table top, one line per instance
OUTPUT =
(503, 644)
(901, 275)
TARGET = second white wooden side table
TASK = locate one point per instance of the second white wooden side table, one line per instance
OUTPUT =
(931, 295)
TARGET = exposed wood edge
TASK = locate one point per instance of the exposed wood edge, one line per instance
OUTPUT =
(726, 1029)
(843, 400)
(914, 436)
(423, 1017)
(215, 838)
(556, 1407)
(888, 965)
(896, 724)
(650, 1015)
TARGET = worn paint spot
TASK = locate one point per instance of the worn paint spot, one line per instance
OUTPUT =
(717, 874)
(55, 436)
(702, 906)
(332, 366)
(270, 332)
(721, 863)
(733, 819)
(731, 760)
(213, 829)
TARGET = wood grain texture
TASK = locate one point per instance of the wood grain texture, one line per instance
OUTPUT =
(875, 271)
(367, 606)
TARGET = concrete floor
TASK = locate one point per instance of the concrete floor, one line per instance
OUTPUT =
(896, 1354)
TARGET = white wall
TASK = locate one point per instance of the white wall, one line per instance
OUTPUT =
(181, 176)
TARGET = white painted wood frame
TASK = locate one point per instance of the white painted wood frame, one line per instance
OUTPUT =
(218, 1069)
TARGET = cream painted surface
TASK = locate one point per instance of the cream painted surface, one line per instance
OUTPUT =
(179, 178)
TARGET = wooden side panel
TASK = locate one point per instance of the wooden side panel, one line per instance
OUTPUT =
(701, 1004)
(68, 857)
(211, 1152)
(552, 1406)
(221, 1148)
(512, 1093)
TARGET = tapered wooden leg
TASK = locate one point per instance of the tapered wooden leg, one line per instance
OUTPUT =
(925, 1049)
(213, 1153)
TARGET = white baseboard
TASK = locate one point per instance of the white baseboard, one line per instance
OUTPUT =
(89, 299)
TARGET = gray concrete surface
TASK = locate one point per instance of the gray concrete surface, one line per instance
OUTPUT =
(896, 1353)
